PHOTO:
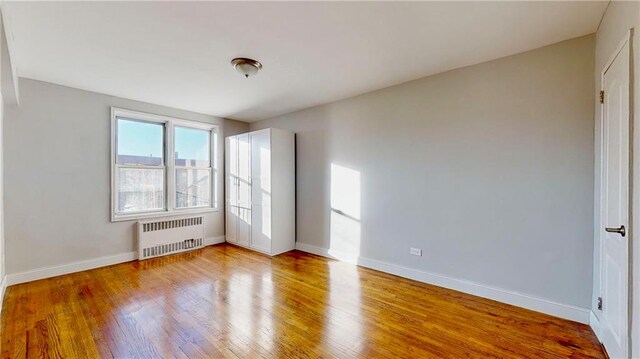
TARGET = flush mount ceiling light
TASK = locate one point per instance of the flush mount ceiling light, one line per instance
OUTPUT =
(246, 67)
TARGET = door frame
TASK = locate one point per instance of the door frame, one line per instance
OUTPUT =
(630, 233)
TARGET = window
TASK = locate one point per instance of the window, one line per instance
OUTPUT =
(193, 167)
(161, 166)
(139, 166)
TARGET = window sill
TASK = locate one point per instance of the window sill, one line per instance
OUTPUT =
(152, 215)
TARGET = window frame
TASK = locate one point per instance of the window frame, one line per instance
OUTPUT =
(169, 166)
(118, 166)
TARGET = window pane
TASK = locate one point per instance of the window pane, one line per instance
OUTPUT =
(140, 143)
(192, 147)
(140, 189)
(192, 188)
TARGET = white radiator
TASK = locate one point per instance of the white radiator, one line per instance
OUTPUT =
(161, 237)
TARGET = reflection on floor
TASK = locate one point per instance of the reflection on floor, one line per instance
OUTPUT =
(227, 302)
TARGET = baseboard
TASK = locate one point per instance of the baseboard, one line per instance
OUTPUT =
(214, 240)
(594, 322)
(53, 271)
(501, 295)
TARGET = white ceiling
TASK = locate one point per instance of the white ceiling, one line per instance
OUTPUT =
(177, 53)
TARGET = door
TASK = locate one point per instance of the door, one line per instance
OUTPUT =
(261, 191)
(244, 190)
(231, 183)
(615, 206)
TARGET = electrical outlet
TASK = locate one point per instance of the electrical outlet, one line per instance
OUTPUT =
(415, 251)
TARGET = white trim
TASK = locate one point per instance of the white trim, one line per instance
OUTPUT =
(146, 216)
(214, 240)
(594, 323)
(501, 295)
(79, 266)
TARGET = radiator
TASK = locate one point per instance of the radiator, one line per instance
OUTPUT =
(161, 237)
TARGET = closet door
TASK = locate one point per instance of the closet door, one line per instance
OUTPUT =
(231, 183)
(244, 190)
(261, 190)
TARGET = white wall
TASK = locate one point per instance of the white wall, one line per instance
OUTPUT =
(618, 19)
(2, 245)
(488, 169)
(57, 182)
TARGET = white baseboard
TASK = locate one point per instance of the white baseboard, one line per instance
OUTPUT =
(501, 295)
(214, 240)
(594, 322)
(53, 271)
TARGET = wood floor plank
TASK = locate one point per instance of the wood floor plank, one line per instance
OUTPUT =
(227, 302)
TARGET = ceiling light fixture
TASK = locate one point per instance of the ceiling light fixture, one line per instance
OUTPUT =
(246, 67)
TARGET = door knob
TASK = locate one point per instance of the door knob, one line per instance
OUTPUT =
(620, 230)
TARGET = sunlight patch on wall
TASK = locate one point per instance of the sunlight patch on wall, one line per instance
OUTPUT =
(345, 213)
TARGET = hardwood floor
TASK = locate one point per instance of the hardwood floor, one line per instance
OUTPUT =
(227, 302)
